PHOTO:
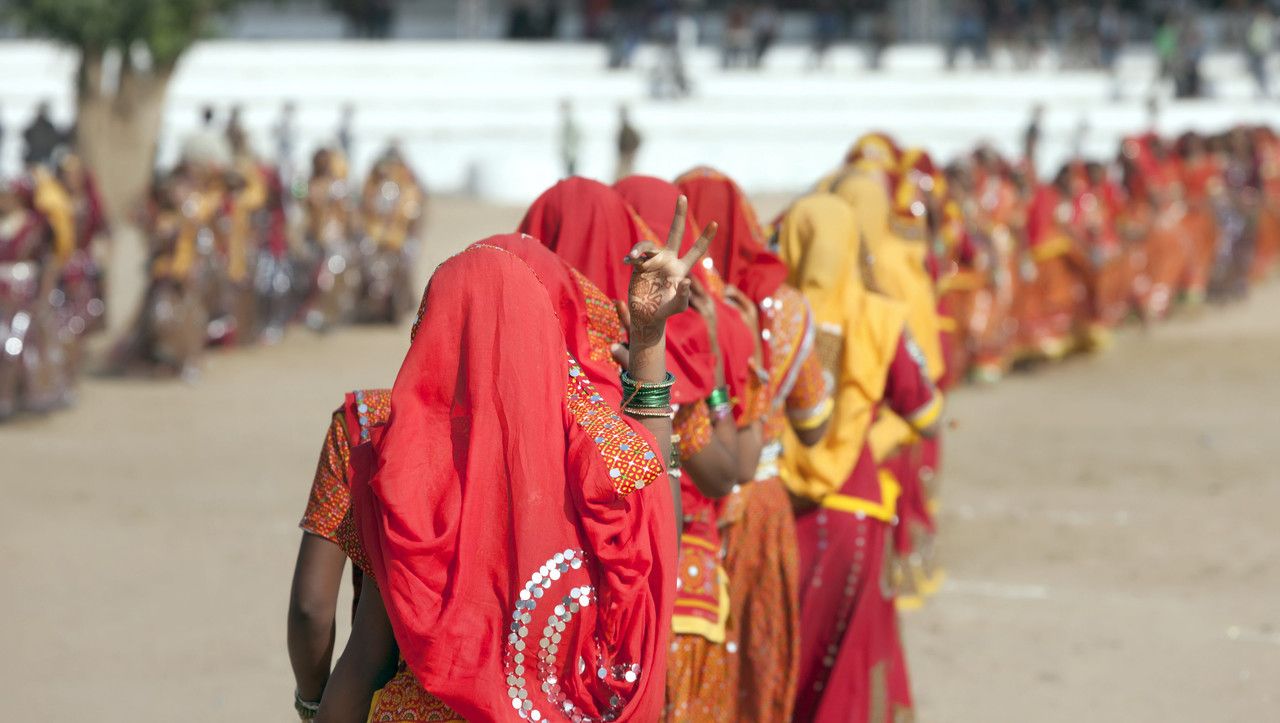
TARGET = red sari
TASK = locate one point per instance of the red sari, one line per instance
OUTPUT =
(698, 686)
(592, 227)
(762, 637)
(1056, 303)
(851, 664)
(475, 524)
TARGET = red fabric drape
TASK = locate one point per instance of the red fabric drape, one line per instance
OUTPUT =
(655, 200)
(506, 505)
(591, 226)
(738, 249)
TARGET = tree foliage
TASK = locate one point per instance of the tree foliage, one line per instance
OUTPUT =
(165, 28)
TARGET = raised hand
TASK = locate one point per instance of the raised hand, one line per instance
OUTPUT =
(660, 279)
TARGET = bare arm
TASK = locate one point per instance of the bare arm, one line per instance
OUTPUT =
(750, 444)
(660, 288)
(313, 602)
(366, 665)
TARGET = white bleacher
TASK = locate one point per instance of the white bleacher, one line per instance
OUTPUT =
(483, 116)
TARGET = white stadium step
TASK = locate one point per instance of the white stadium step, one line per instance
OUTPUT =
(483, 116)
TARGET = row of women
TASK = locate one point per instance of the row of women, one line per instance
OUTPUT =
(235, 257)
(51, 283)
(1028, 270)
(739, 496)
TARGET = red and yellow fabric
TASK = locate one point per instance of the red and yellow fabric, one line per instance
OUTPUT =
(53, 203)
(403, 700)
(852, 667)
(462, 524)
(897, 265)
(857, 334)
(250, 198)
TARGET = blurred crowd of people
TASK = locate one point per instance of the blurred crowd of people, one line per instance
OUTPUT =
(52, 227)
(235, 253)
(238, 250)
(1030, 269)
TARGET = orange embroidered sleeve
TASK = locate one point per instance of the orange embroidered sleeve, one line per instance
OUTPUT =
(756, 402)
(693, 424)
(330, 496)
(631, 462)
(809, 403)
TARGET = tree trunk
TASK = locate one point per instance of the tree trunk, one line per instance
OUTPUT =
(117, 131)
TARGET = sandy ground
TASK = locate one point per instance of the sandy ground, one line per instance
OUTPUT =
(1109, 530)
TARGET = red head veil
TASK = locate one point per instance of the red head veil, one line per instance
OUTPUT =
(590, 225)
(655, 200)
(520, 530)
(738, 250)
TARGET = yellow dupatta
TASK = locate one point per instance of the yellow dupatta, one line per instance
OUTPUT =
(857, 336)
(247, 200)
(53, 202)
(898, 265)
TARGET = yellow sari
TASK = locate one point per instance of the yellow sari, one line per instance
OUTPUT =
(857, 336)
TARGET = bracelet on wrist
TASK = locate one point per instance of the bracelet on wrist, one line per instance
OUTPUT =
(643, 413)
(652, 398)
(719, 397)
(306, 709)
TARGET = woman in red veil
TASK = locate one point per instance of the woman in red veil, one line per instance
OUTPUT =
(517, 525)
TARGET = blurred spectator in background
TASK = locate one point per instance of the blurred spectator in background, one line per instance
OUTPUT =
(1031, 139)
(969, 30)
(284, 134)
(1165, 44)
(1080, 36)
(739, 40)
(880, 38)
(764, 27)
(371, 19)
(533, 19)
(346, 140)
(826, 30)
(1258, 41)
(237, 136)
(628, 143)
(676, 33)
(570, 139)
(1188, 81)
(627, 23)
(1111, 35)
(206, 146)
(2, 130)
(42, 137)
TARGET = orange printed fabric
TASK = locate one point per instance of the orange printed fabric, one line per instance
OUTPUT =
(604, 328)
(330, 489)
(403, 700)
(697, 689)
(810, 404)
(330, 497)
(692, 424)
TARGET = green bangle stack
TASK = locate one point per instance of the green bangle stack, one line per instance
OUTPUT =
(646, 399)
(720, 404)
(719, 397)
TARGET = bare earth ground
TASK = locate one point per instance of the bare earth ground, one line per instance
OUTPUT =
(1109, 529)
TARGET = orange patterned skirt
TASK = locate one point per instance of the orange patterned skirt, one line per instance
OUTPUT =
(762, 641)
(403, 700)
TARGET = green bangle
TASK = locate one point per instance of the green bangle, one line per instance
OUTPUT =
(719, 397)
(646, 395)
